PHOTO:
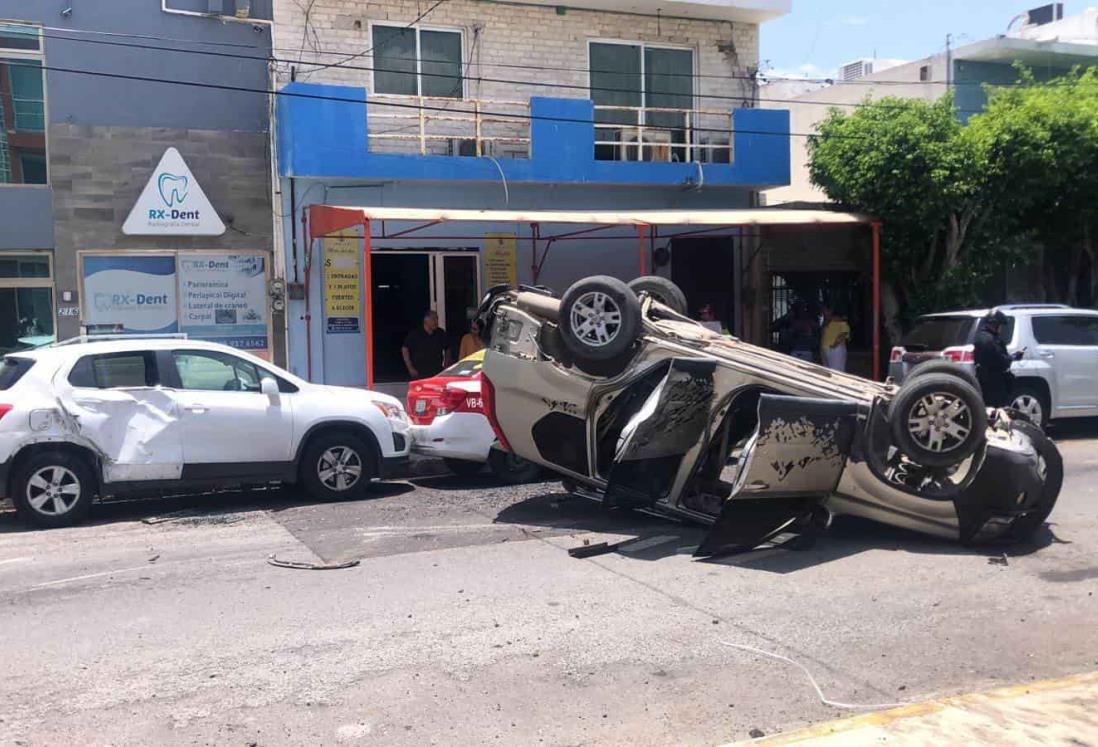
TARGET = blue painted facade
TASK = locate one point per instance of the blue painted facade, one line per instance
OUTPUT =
(322, 132)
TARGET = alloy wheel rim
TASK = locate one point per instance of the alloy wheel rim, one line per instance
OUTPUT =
(1030, 406)
(339, 468)
(596, 319)
(53, 490)
(940, 422)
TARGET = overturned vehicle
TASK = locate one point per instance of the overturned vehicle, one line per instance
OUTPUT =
(632, 403)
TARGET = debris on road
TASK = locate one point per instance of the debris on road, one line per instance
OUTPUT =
(194, 516)
(300, 565)
(154, 558)
(1000, 560)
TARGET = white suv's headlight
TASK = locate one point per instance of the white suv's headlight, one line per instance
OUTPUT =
(394, 412)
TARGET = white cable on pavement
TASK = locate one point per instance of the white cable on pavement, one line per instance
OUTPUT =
(819, 692)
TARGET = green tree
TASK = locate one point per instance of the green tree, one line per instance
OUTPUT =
(909, 163)
(1039, 148)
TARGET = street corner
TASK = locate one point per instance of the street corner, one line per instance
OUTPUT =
(1062, 711)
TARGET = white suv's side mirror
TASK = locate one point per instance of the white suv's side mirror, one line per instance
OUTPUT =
(268, 386)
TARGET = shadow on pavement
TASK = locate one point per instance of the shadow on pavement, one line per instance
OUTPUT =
(847, 536)
(219, 507)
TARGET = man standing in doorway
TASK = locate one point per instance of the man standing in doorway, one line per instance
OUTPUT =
(426, 350)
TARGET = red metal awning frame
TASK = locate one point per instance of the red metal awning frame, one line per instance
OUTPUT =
(327, 221)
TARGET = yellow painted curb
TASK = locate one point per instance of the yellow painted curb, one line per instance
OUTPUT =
(883, 718)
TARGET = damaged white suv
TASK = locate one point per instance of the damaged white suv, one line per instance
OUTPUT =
(103, 417)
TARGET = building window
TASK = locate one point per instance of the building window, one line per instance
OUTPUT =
(417, 62)
(924, 73)
(629, 82)
(26, 301)
(22, 106)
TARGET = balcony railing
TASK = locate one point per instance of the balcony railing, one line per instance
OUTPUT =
(449, 127)
(636, 133)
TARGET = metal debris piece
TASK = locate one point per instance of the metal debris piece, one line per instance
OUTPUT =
(1001, 560)
(154, 558)
(303, 566)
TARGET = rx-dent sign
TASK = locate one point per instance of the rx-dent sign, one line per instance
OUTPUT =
(173, 204)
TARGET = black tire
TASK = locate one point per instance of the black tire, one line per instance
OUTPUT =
(1025, 397)
(463, 467)
(64, 478)
(946, 367)
(599, 318)
(510, 468)
(317, 460)
(663, 290)
(1024, 526)
(909, 406)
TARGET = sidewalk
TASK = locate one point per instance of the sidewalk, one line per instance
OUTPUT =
(1052, 712)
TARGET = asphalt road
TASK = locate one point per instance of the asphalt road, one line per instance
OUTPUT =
(468, 622)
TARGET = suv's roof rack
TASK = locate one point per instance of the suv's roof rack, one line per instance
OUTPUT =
(82, 339)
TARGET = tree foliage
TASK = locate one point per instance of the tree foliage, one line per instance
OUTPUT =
(958, 202)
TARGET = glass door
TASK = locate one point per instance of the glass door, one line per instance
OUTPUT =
(26, 301)
(457, 284)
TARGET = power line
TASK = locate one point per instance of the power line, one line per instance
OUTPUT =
(364, 52)
(508, 81)
(399, 105)
(519, 66)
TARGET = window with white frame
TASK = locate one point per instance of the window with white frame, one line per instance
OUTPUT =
(22, 106)
(26, 301)
(413, 61)
(633, 86)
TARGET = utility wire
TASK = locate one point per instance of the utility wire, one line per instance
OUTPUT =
(367, 51)
(400, 104)
(508, 81)
(518, 66)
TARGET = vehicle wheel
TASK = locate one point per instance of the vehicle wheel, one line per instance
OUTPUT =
(945, 367)
(338, 466)
(1031, 402)
(938, 419)
(1052, 466)
(510, 468)
(663, 290)
(599, 318)
(463, 467)
(53, 489)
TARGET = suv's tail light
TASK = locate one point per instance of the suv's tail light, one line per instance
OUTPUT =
(5, 409)
(959, 355)
(488, 395)
(897, 355)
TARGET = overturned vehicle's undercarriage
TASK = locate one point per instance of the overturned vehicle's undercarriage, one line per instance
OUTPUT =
(634, 404)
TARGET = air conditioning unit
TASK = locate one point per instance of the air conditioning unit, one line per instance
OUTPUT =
(466, 147)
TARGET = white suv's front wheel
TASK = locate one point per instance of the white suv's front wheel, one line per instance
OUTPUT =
(53, 489)
(338, 466)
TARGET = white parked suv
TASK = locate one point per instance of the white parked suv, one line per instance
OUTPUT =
(106, 416)
(1055, 378)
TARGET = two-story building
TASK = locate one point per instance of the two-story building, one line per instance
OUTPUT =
(135, 175)
(526, 110)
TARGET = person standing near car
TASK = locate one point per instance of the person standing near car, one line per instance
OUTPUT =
(833, 339)
(993, 361)
(426, 350)
(470, 341)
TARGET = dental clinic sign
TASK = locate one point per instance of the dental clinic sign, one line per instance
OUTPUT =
(173, 204)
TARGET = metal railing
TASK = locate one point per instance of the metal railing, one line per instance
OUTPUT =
(431, 125)
(648, 133)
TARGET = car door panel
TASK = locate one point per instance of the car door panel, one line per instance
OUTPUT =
(229, 426)
(135, 429)
(1068, 344)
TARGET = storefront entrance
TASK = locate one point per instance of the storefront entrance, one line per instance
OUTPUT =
(408, 283)
(26, 301)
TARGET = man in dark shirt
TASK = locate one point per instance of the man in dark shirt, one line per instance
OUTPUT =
(426, 350)
(993, 361)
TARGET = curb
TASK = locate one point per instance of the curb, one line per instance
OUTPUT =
(883, 719)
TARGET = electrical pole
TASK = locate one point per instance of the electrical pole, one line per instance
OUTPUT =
(949, 61)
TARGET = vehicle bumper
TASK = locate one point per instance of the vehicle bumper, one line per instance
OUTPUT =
(459, 435)
(393, 467)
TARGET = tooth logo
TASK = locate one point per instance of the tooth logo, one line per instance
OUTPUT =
(173, 189)
(173, 203)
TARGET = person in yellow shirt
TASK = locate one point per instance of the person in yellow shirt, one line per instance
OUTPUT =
(833, 339)
(470, 341)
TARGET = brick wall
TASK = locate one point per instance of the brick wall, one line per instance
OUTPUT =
(512, 34)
